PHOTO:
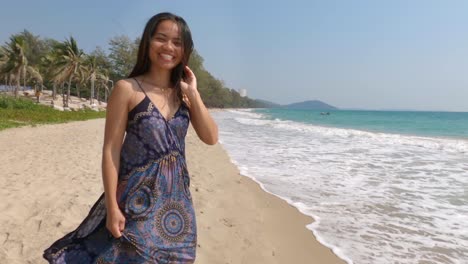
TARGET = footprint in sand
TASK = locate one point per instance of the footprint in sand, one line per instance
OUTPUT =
(227, 222)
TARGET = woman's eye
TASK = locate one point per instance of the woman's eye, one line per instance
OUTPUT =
(177, 43)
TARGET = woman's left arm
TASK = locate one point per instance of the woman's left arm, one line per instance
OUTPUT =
(202, 122)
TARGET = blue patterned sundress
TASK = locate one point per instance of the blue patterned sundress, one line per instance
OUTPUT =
(152, 193)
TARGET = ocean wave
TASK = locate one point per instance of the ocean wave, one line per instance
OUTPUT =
(378, 197)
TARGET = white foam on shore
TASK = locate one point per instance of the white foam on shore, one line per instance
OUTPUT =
(376, 197)
(302, 208)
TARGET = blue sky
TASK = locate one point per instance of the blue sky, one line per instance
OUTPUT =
(395, 54)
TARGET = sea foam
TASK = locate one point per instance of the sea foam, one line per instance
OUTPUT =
(376, 197)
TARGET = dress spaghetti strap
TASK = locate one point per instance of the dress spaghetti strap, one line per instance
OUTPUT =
(139, 85)
(153, 193)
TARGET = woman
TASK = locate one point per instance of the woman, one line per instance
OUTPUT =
(146, 213)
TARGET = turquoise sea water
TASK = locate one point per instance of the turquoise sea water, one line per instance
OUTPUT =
(437, 124)
(383, 187)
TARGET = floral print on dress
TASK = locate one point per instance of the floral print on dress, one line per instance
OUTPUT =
(153, 193)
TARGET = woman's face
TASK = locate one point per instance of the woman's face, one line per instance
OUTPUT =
(166, 49)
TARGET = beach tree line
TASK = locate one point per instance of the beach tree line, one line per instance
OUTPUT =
(28, 60)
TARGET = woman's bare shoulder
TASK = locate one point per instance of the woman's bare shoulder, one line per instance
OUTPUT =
(121, 94)
(123, 88)
(125, 84)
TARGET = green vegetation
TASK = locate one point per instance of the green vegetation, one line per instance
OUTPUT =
(23, 112)
(61, 66)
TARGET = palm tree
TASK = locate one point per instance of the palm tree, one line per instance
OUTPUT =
(35, 77)
(2, 64)
(68, 60)
(95, 73)
(57, 77)
(103, 78)
(16, 62)
(80, 79)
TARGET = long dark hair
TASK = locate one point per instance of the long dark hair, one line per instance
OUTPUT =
(143, 63)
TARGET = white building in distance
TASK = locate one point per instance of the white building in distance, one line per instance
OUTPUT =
(243, 92)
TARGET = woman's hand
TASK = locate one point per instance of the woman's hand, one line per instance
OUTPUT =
(188, 86)
(115, 222)
(200, 118)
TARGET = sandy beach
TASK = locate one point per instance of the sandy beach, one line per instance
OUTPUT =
(51, 176)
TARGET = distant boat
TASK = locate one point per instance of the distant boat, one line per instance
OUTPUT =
(325, 113)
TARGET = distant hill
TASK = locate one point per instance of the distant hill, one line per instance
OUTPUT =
(310, 105)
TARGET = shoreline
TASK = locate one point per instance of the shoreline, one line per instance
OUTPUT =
(51, 177)
(311, 226)
(281, 234)
(355, 183)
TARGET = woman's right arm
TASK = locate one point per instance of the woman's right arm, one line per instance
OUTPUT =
(116, 122)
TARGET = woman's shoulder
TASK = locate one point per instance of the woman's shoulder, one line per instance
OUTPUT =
(125, 87)
(126, 84)
(123, 90)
